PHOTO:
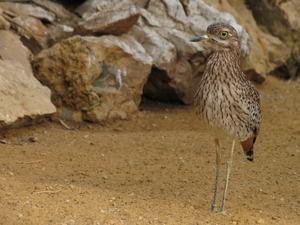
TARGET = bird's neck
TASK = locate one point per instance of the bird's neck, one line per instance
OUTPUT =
(222, 61)
(226, 55)
(222, 64)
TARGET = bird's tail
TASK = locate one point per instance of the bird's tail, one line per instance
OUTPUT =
(248, 147)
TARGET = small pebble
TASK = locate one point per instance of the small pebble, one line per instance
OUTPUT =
(33, 139)
(260, 221)
(3, 141)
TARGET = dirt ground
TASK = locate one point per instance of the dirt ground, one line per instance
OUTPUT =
(156, 168)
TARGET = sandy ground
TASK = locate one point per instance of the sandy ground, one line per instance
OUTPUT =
(156, 168)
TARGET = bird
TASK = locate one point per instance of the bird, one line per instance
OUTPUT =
(226, 102)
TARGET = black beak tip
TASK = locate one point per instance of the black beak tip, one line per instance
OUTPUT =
(249, 155)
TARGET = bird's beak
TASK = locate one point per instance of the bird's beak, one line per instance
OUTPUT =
(200, 38)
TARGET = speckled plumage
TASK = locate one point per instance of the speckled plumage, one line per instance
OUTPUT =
(226, 101)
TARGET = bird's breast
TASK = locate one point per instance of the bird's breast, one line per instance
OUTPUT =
(219, 105)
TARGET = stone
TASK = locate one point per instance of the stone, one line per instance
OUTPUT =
(4, 24)
(30, 27)
(55, 8)
(23, 9)
(281, 19)
(11, 48)
(260, 221)
(23, 100)
(94, 78)
(107, 17)
(59, 32)
(39, 23)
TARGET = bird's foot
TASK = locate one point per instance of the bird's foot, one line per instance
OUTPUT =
(213, 207)
(222, 212)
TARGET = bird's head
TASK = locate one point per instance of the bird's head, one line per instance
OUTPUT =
(220, 37)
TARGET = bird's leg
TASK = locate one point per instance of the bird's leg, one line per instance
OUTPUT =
(229, 164)
(218, 164)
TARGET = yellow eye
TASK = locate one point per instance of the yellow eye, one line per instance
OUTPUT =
(223, 34)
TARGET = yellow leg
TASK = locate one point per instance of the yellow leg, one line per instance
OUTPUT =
(229, 164)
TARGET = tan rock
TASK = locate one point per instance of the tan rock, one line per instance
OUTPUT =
(5, 25)
(23, 100)
(108, 17)
(281, 19)
(55, 8)
(95, 78)
(11, 48)
(23, 9)
(30, 27)
(59, 32)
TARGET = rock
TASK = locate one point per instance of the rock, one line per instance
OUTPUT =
(164, 57)
(4, 25)
(31, 30)
(59, 32)
(185, 5)
(281, 19)
(94, 78)
(42, 24)
(22, 9)
(107, 17)
(23, 100)
(11, 48)
(55, 8)
(260, 221)
(30, 27)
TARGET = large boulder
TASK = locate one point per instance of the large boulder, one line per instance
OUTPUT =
(95, 78)
(23, 100)
(281, 19)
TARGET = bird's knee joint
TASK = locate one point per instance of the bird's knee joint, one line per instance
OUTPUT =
(229, 162)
